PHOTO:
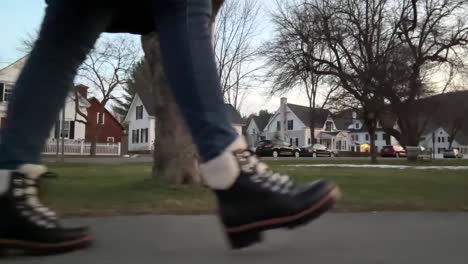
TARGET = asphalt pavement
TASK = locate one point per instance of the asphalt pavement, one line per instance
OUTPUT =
(357, 238)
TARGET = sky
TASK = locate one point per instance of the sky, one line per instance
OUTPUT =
(22, 17)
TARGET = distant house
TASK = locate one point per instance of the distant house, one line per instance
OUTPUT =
(141, 123)
(234, 118)
(141, 119)
(255, 128)
(358, 133)
(291, 123)
(446, 120)
(72, 129)
(111, 130)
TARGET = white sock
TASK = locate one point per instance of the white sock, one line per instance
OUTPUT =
(4, 181)
(31, 170)
(221, 172)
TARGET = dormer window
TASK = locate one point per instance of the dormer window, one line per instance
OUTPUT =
(328, 126)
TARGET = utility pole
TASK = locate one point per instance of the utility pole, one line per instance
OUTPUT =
(57, 138)
(63, 134)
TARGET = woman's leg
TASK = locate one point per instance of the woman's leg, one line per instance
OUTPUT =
(68, 33)
(190, 66)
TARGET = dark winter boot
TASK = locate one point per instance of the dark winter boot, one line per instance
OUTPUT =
(253, 199)
(26, 224)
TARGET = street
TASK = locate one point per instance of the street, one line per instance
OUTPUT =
(357, 238)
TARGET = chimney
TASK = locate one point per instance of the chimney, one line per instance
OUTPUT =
(283, 109)
(83, 90)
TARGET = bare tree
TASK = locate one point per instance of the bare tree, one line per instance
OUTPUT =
(433, 34)
(106, 70)
(236, 29)
(289, 57)
(355, 38)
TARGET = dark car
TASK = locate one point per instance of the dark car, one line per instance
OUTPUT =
(452, 154)
(393, 151)
(317, 150)
(276, 149)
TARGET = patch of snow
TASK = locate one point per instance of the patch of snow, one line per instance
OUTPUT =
(401, 167)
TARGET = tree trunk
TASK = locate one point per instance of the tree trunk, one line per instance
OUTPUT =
(94, 140)
(371, 122)
(373, 150)
(175, 155)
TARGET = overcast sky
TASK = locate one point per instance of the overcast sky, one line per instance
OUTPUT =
(21, 17)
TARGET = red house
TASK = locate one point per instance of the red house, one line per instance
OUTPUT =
(112, 131)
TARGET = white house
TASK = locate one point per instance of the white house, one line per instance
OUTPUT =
(73, 130)
(141, 121)
(334, 134)
(360, 138)
(437, 140)
(256, 128)
(291, 123)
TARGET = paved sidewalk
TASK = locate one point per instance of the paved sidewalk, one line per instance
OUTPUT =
(367, 238)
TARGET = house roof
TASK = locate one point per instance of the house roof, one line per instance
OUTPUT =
(233, 115)
(341, 123)
(148, 101)
(96, 101)
(462, 138)
(262, 121)
(303, 113)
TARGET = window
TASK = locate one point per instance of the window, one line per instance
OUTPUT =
(290, 141)
(110, 139)
(290, 124)
(328, 126)
(357, 125)
(65, 130)
(139, 112)
(309, 141)
(144, 135)
(367, 137)
(100, 118)
(253, 131)
(438, 139)
(376, 137)
(278, 125)
(297, 142)
(5, 92)
(443, 139)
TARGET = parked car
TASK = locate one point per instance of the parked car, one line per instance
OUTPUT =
(317, 150)
(452, 154)
(393, 151)
(276, 149)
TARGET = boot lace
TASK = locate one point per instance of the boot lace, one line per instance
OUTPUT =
(260, 173)
(25, 192)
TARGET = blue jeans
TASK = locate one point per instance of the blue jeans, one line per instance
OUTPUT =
(67, 35)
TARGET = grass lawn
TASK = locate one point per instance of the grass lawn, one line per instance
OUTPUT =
(90, 189)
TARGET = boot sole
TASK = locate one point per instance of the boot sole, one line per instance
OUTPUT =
(249, 234)
(36, 248)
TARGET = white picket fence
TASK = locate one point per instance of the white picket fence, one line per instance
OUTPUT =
(83, 148)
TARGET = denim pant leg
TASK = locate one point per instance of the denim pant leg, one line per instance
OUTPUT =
(190, 68)
(67, 34)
